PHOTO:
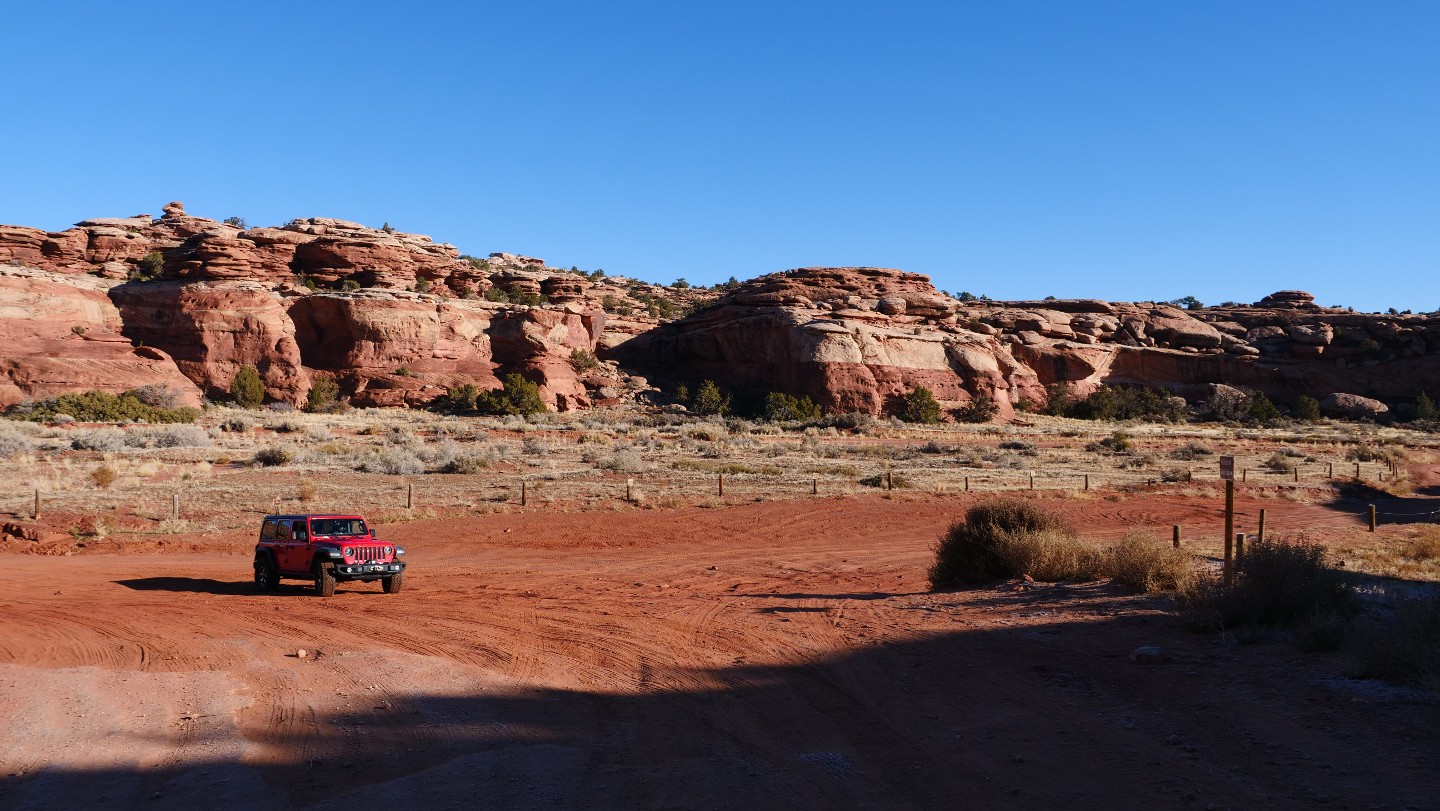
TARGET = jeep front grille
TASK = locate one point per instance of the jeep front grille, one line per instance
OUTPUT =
(369, 553)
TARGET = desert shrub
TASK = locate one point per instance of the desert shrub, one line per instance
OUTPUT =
(1404, 648)
(782, 407)
(307, 491)
(104, 476)
(1425, 409)
(920, 406)
(317, 433)
(273, 456)
(1016, 445)
(583, 360)
(986, 544)
(105, 440)
(626, 460)
(1279, 582)
(157, 395)
(449, 457)
(1190, 451)
(1261, 410)
(1425, 546)
(1128, 403)
(180, 436)
(899, 481)
(1118, 442)
(709, 401)
(237, 424)
(285, 427)
(534, 446)
(1306, 409)
(980, 409)
(246, 388)
(392, 462)
(1365, 452)
(14, 445)
(100, 406)
(1145, 564)
(150, 267)
(323, 394)
(1279, 463)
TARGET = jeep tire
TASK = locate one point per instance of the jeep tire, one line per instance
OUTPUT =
(392, 583)
(266, 578)
(325, 580)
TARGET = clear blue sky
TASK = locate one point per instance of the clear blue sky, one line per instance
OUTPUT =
(1123, 150)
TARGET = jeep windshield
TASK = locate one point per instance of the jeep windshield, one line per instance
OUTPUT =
(337, 526)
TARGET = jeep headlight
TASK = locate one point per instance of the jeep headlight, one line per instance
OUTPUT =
(387, 551)
(349, 552)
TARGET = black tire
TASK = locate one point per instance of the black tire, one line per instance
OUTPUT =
(393, 583)
(266, 577)
(325, 580)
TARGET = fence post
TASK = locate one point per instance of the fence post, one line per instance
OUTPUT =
(815, 486)
(1329, 470)
(524, 493)
(720, 482)
(967, 485)
(1297, 473)
(629, 489)
(1087, 481)
(410, 495)
(1372, 517)
(1175, 536)
(1032, 480)
(1245, 475)
(37, 504)
(175, 507)
(1239, 549)
(889, 483)
(1357, 470)
(1229, 570)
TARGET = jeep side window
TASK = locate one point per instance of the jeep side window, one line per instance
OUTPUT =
(282, 531)
(299, 530)
(267, 531)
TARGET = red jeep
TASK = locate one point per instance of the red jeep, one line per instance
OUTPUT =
(326, 549)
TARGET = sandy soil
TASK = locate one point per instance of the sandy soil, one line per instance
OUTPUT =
(780, 654)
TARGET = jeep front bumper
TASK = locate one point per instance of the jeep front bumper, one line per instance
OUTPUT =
(367, 571)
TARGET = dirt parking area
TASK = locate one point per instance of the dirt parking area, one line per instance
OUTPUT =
(771, 654)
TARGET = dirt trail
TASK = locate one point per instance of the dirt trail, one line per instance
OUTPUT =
(780, 654)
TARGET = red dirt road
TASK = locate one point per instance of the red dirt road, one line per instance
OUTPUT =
(772, 655)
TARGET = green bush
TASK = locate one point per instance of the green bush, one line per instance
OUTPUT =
(246, 388)
(920, 406)
(781, 407)
(516, 396)
(709, 401)
(273, 456)
(1307, 409)
(99, 406)
(1425, 410)
(149, 268)
(1128, 403)
(323, 394)
(583, 360)
(980, 409)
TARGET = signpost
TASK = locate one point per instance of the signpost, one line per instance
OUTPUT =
(1227, 473)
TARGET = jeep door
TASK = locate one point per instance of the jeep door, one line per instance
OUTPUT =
(299, 546)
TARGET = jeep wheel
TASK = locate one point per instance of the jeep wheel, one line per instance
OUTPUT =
(266, 578)
(324, 580)
(392, 583)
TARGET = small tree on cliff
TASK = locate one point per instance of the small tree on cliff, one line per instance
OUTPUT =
(1425, 410)
(708, 400)
(246, 388)
(323, 394)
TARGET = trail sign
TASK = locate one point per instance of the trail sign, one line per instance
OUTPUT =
(1227, 468)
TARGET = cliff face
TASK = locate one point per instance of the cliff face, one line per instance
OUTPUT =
(858, 338)
(394, 318)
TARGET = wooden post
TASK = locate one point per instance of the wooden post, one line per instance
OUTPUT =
(629, 489)
(1329, 470)
(1229, 519)
(967, 486)
(1297, 473)
(524, 493)
(1239, 549)
(1372, 518)
(410, 495)
(1228, 571)
(175, 507)
(1357, 470)
(37, 504)
(889, 483)
(1245, 475)
(815, 486)
(1260, 536)
(720, 482)
(1087, 481)
(1032, 480)
(1175, 536)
